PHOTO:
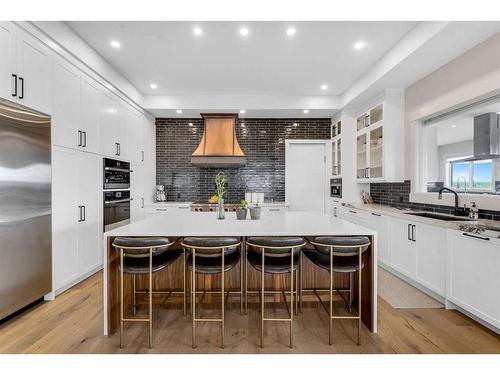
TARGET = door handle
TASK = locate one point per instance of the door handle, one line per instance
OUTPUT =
(352, 212)
(413, 232)
(375, 214)
(408, 232)
(116, 149)
(79, 138)
(84, 139)
(80, 214)
(142, 202)
(15, 85)
(21, 79)
(84, 214)
(119, 149)
(142, 153)
(335, 211)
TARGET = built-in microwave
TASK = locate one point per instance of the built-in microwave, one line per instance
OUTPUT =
(116, 174)
(336, 187)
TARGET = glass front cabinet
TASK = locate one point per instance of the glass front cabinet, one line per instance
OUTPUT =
(337, 149)
(380, 142)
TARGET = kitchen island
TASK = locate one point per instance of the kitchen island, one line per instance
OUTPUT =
(290, 223)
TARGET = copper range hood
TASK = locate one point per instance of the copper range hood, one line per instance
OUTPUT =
(219, 146)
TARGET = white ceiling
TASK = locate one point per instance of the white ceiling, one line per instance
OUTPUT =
(221, 61)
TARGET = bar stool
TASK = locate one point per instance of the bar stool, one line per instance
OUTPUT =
(342, 255)
(141, 256)
(210, 256)
(273, 255)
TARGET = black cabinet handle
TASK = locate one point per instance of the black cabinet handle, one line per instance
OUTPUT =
(21, 79)
(408, 232)
(15, 85)
(142, 154)
(352, 212)
(116, 149)
(79, 138)
(84, 139)
(80, 214)
(84, 213)
(142, 202)
(475, 236)
(375, 214)
(119, 149)
(413, 232)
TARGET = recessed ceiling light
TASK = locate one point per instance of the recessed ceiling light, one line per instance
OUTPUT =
(305, 111)
(291, 31)
(154, 86)
(453, 126)
(244, 31)
(324, 87)
(115, 44)
(197, 31)
(242, 111)
(179, 111)
(359, 45)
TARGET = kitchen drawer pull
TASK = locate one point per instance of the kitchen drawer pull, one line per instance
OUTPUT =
(352, 212)
(15, 85)
(161, 209)
(274, 209)
(476, 236)
(375, 214)
(21, 79)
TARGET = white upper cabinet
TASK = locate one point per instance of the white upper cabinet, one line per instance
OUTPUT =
(8, 61)
(380, 141)
(34, 67)
(25, 69)
(66, 95)
(108, 119)
(89, 115)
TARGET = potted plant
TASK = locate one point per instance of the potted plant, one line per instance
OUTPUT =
(220, 183)
(241, 211)
(255, 212)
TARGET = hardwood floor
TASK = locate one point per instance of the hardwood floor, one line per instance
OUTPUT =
(73, 324)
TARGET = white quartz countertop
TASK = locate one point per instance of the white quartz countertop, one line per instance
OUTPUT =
(265, 204)
(206, 224)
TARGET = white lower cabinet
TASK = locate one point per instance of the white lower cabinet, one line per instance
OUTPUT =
(431, 257)
(77, 216)
(403, 247)
(473, 276)
(380, 224)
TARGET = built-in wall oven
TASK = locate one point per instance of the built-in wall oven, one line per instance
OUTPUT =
(336, 187)
(116, 208)
(116, 174)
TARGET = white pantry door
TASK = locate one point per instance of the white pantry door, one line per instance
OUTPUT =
(305, 175)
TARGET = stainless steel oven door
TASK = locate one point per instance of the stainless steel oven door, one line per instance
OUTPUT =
(116, 209)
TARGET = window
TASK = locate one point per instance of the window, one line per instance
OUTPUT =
(471, 175)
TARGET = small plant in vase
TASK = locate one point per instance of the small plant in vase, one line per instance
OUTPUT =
(241, 211)
(255, 212)
(220, 183)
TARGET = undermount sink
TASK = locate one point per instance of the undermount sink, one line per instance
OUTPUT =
(433, 215)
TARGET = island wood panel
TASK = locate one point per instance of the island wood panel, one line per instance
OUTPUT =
(170, 278)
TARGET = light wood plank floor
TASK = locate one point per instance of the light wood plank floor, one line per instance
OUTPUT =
(73, 324)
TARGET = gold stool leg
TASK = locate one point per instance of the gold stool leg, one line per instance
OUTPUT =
(301, 262)
(193, 300)
(222, 303)
(121, 298)
(291, 300)
(359, 297)
(297, 292)
(134, 301)
(151, 299)
(331, 298)
(350, 291)
(184, 282)
(246, 278)
(241, 282)
(262, 296)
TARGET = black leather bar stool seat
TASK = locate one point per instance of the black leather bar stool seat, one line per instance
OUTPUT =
(344, 245)
(279, 242)
(206, 246)
(212, 265)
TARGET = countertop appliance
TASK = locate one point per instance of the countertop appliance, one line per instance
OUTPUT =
(336, 187)
(212, 207)
(116, 208)
(25, 208)
(116, 174)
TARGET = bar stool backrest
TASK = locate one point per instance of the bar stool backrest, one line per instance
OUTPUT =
(139, 247)
(341, 245)
(211, 247)
(276, 246)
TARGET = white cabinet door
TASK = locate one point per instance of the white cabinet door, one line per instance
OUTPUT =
(136, 192)
(34, 65)
(66, 100)
(90, 113)
(8, 61)
(403, 248)
(380, 224)
(108, 118)
(64, 216)
(123, 127)
(473, 276)
(431, 257)
(90, 225)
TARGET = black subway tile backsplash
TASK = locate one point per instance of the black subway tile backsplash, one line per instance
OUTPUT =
(262, 141)
(397, 194)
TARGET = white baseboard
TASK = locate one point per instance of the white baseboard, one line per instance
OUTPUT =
(77, 281)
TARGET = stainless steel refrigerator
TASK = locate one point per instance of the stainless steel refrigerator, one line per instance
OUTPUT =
(25, 207)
